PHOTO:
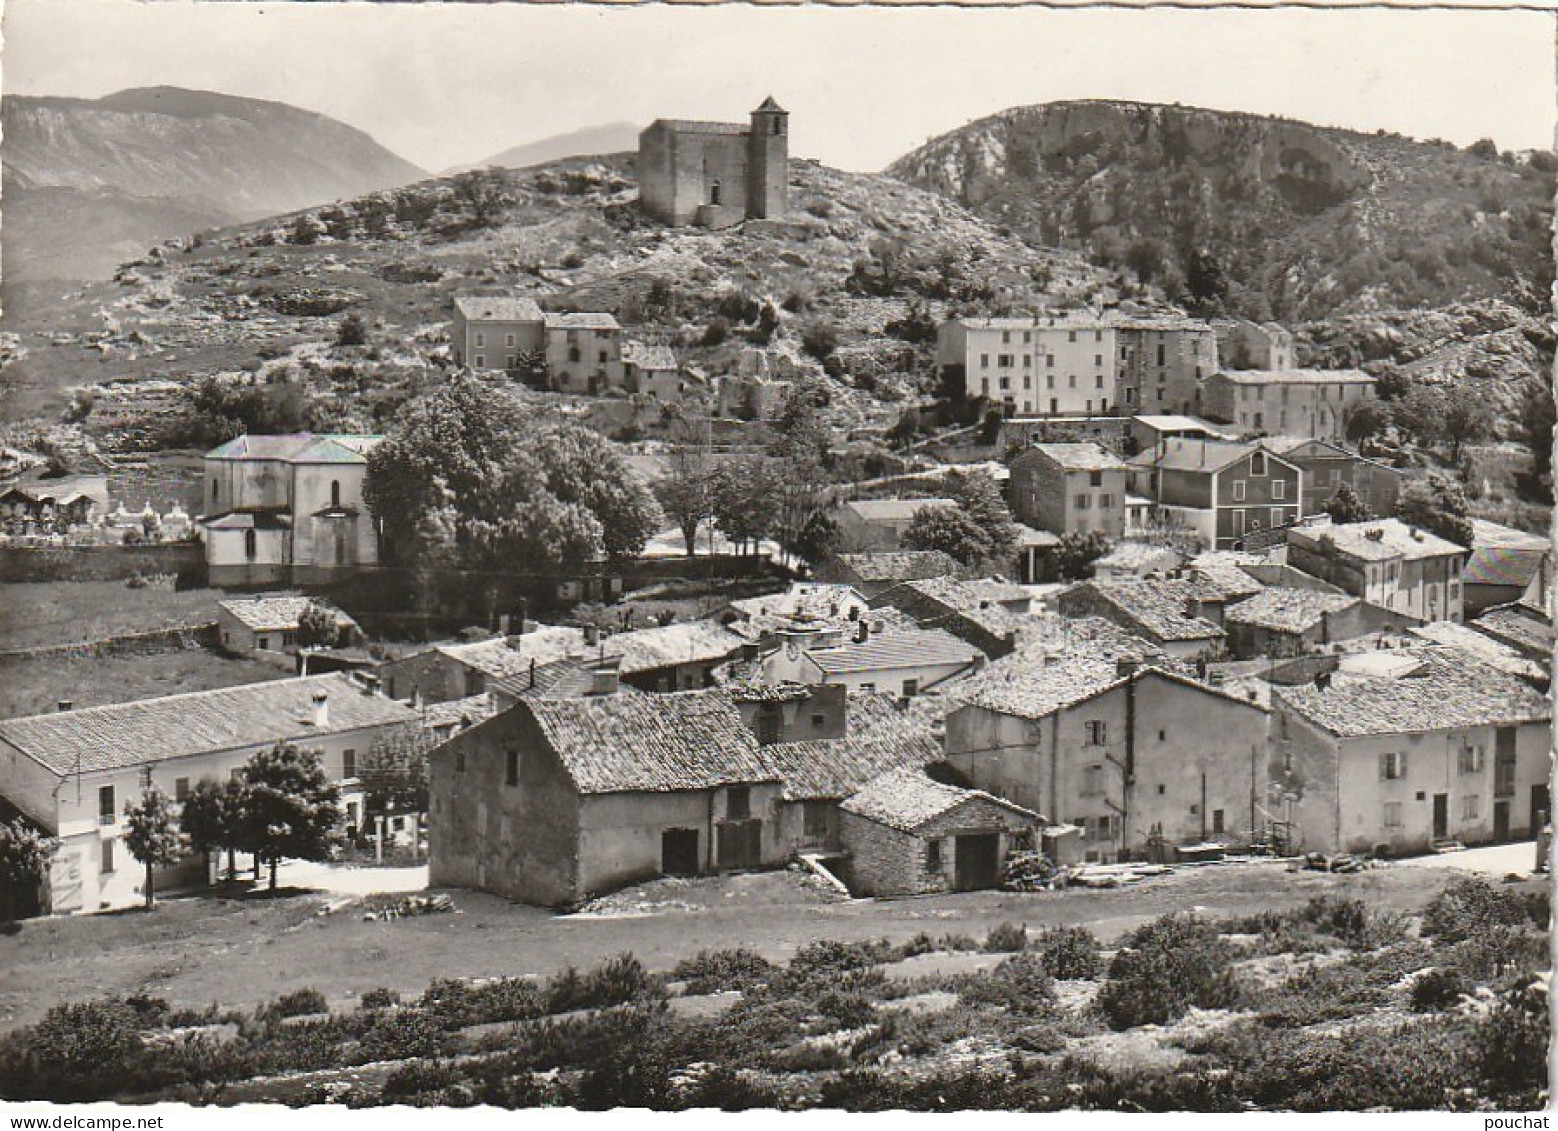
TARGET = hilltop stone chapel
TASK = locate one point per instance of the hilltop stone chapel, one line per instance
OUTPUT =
(714, 174)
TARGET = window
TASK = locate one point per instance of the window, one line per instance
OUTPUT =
(1217, 820)
(1258, 460)
(1006, 337)
(335, 493)
(1279, 489)
(105, 805)
(1162, 789)
(1049, 380)
(216, 490)
(1238, 490)
(868, 687)
(1162, 736)
(251, 544)
(933, 856)
(481, 339)
(1276, 516)
(348, 764)
(714, 193)
(263, 642)
(1027, 337)
(1049, 361)
(1098, 335)
(1097, 732)
(1095, 479)
(180, 789)
(106, 865)
(1392, 814)
(508, 339)
(738, 803)
(1092, 781)
(1098, 382)
(511, 770)
(1081, 502)
(481, 360)
(1027, 380)
(1470, 807)
(573, 353)
(1162, 354)
(1054, 405)
(1098, 359)
(1106, 500)
(984, 361)
(1071, 336)
(1392, 765)
(289, 639)
(1006, 382)
(602, 357)
(819, 720)
(1071, 381)
(1471, 759)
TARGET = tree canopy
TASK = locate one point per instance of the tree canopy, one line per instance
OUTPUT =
(1077, 552)
(1345, 506)
(470, 475)
(152, 834)
(287, 807)
(24, 861)
(1438, 505)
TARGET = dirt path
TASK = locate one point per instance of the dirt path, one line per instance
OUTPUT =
(199, 950)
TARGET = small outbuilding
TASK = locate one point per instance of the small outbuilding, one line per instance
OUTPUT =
(907, 834)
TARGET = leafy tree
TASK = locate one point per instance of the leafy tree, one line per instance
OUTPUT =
(1437, 505)
(820, 339)
(484, 192)
(746, 500)
(152, 835)
(1077, 552)
(1448, 417)
(351, 331)
(288, 808)
(686, 494)
(1345, 506)
(1366, 420)
(979, 495)
(305, 231)
(1468, 418)
(950, 529)
(1537, 418)
(317, 624)
(208, 820)
(24, 863)
(393, 772)
(471, 477)
(1204, 278)
(818, 538)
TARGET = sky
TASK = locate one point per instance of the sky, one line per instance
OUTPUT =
(452, 84)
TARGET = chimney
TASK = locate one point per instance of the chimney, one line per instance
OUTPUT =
(503, 624)
(606, 676)
(1125, 666)
(321, 709)
(591, 635)
(65, 705)
(1322, 681)
(862, 632)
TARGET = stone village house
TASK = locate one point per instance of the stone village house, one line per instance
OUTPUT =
(72, 773)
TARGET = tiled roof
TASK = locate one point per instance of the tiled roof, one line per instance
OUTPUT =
(1219, 576)
(1170, 422)
(1179, 454)
(892, 510)
(770, 106)
(803, 602)
(499, 657)
(651, 743)
(906, 798)
(648, 356)
(551, 679)
(1058, 662)
(1136, 557)
(1451, 692)
(263, 519)
(1296, 376)
(901, 565)
(1084, 456)
(881, 736)
(1496, 653)
(498, 308)
(1501, 555)
(646, 649)
(980, 601)
(1288, 610)
(894, 651)
(1028, 536)
(1158, 605)
(457, 712)
(1378, 539)
(271, 612)
(1520, 626)
(300, 447)
(121, 735)
(581, 321)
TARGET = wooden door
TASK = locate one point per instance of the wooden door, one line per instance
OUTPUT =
(1441, 815)
(679, 852)
(978, 862)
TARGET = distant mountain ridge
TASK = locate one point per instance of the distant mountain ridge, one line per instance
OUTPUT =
(1299, 221)
(86, 178)
(614, 137)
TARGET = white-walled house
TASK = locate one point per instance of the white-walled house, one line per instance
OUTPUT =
(72, 773)
(288, 509)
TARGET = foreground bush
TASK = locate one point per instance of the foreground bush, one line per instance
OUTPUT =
(1439, 988)
(1068, 952)
(713, 971)
(1021, 984)
(1164, 968)
(80, 1051)
(1510, 1047)
(1006, 938)
(1471, 906)
(299, 1003)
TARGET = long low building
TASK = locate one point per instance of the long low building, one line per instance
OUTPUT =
(72, 773)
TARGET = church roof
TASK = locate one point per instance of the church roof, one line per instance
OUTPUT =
(770, 106)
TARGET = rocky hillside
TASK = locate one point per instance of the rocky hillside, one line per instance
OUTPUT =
(1264, 216)
(851, 281)
(89, 183)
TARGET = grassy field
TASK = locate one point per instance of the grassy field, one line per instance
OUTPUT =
(29, 687)
(39, 614)
(251, 950)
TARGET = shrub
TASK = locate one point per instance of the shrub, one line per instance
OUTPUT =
(406, 1033)
(613, 982)
(725, 1089)
(351, 331)
(79, 1051)
(420, 1076)
(1510, 1044)
(1068, 952)
(380, 998)
(1500, 950)
(958, 942)
(1006, 938)
(1439, 988)
(1164, 968)
(1470, 906)
(717, 330)
(298, 1003)
(820, 339)
(1020, 984)
(711, 971)
(830, 958)
(920, 944)
(797, 301)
